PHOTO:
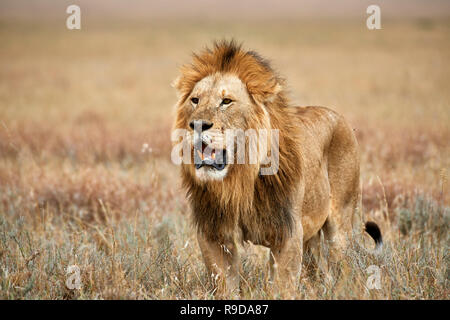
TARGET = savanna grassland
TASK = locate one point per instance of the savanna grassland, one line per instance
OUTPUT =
(86, 177)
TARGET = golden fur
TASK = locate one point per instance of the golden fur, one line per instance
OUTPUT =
(315, 190)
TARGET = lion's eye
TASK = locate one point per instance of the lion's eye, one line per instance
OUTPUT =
(194, 100)
(226, 101)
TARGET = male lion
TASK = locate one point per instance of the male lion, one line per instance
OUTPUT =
(313, 191)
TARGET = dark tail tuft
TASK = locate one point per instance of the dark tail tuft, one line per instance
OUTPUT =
(374, 231)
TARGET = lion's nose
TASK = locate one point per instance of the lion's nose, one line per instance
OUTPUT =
(197, 124)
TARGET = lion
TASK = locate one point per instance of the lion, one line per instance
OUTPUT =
(314, 192)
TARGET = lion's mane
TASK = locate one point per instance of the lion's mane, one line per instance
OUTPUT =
(244, 198)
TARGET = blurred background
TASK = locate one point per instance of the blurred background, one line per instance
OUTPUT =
(85, 115)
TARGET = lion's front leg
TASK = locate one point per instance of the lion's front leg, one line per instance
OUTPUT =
(222, 264)
(286, 261)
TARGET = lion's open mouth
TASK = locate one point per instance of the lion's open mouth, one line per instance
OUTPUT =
(206, 156)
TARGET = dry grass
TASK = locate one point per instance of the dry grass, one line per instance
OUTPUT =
(76, 186)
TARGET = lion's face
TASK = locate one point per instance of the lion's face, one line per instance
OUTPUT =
(223, 90)
(217, 104)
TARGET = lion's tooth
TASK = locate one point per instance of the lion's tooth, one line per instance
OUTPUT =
(200, 154)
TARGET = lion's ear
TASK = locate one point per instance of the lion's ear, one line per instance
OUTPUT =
(176, 83)
(275, 91)
(268, 94)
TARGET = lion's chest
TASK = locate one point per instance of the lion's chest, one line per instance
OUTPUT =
(267, 224)
(256, 232)
(273, 217)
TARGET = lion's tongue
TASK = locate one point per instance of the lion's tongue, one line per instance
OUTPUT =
(207, 157)
(210, 160)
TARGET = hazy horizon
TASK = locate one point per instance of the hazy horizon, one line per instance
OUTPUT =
(230, 10)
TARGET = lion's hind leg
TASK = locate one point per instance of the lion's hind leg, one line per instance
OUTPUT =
(316, 257)
(345, 190)
(327, 247)
(337, 232)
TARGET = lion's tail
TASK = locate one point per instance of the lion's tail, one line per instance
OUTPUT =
(374, 231)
